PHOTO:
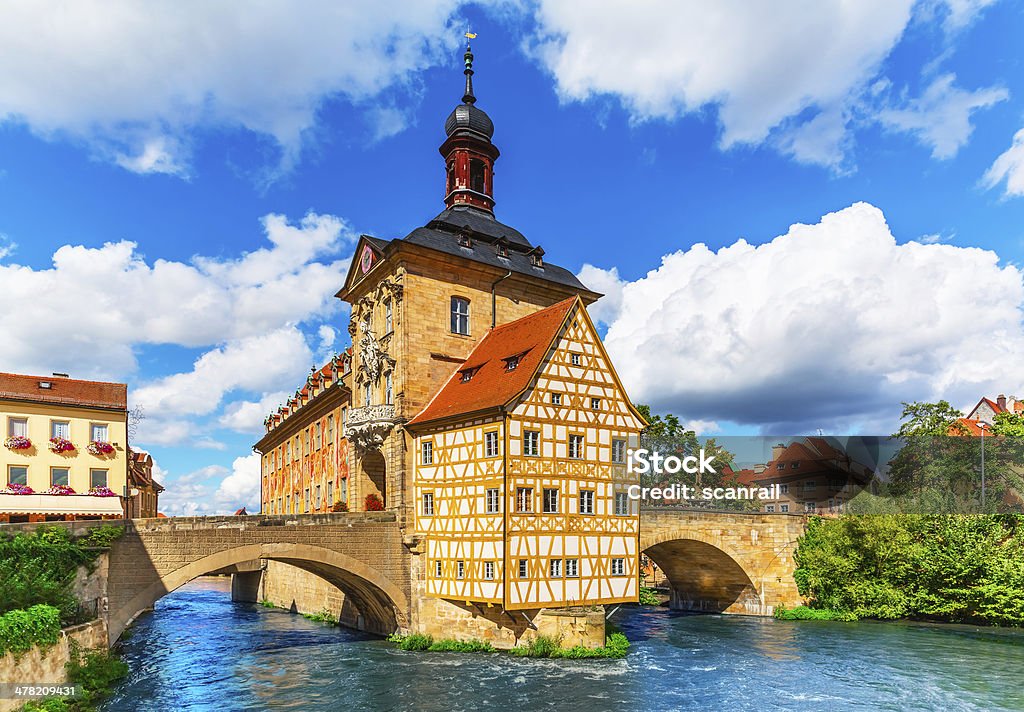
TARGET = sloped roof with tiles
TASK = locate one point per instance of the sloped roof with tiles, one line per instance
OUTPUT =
(484, 380)
(64, 391)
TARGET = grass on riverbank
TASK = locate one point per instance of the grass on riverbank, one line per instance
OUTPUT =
(803, 613)
(94, 672)
(542, 646)
(420, 642)
(324, 616)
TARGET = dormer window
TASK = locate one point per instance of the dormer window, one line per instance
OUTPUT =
(466, 375)
(536, 260)
(501, 247)
(465, 240)
(511, 363)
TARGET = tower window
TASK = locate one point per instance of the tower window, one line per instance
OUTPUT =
(460, 316)
(389, 317)
(476, 175)
(464, 240)
(501, 248)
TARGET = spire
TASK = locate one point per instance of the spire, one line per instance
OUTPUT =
(468, 97)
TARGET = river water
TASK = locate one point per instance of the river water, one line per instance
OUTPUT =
(200, 651)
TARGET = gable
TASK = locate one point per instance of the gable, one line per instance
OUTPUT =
(368, 254)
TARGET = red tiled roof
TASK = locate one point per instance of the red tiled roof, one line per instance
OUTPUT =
(970, 427)
(65, 391)
(491, 384)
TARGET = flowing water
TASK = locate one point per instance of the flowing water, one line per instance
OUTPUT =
(200, 651)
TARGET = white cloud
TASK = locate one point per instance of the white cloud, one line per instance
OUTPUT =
(98, 304)
(801, 70)
(7, 247)
(212, 489)
(830, 325)
(134, 78)
(941, 117)
(246, 416)
(1009, 167)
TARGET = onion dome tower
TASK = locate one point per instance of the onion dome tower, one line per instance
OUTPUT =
(468, 152)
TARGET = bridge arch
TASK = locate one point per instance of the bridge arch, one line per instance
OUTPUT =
(705, 573)
(383, 604)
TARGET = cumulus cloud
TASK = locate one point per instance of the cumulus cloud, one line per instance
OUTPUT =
(246, 416)
(802, 72)
(266, 69)
(1008, 167)
(213, 489)
(831, 325)
(941, 117)
(99, 303)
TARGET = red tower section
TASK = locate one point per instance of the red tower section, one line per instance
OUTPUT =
(468, 152)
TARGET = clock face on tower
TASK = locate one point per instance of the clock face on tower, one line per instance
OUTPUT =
(366, 259)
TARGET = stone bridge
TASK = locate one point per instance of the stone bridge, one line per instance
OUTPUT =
(727, 562)
(714, 561)
(360, 553)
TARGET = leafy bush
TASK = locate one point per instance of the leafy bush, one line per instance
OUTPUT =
(40, 567)
(956, 568)
(543, 646)
(96, 671)
(803, 613)
(414, 641)
(649, 597)
(47, 704)
(324, 616)
(22, 630)
(373, 503)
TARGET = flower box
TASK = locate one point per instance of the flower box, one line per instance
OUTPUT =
(100, 447)
(60, 489)
(102, 492)
(18, 442)
(15, 488)
(60, 445)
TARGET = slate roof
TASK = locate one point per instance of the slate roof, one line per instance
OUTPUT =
(441, 234)
(64, 391)
(492, 384)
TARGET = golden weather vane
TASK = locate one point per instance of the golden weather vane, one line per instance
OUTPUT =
(470, 35)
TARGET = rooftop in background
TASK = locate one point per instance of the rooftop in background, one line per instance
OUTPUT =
(64, 391)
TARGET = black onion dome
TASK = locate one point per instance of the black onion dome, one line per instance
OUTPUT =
(467, 116)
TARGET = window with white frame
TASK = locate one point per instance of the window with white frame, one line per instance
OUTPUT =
(555, 568)
(389, 317)
(318, 435)
(556, 399)
(809, 506)
(97, 478)
(618, 567)
(493, 502)
(60, 429)
(618, 451)
(460, 569)
(574, 359)
(428, 504)
(17, 427)
(17, 475)
(460, 316)
(572, 568)
(595, 404)
(586, 501)
(489, 570)
(367, 393)
(576, 447)
(316, 497)
(621, 504)
(59, 476)
(305, 499)
(551, 501)
(389, 391)
(99, 432)
(769, 508)
(783, 508)
(524, 499)
(491, 444)
(531, 443)
(784, 489)
(523, 568)
(330, 493)
(427, 456)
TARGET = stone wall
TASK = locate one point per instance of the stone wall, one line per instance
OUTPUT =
(299, 591)
(36, 667)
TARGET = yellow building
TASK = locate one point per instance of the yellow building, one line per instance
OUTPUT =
(65, 448)
(304, 453)
(521, 478)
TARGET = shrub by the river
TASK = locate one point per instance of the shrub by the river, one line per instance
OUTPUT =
(22, 630)
(40, 567)
(804, 613)
(95, 671)
(955, 568)
(324, 616)
(543, 646)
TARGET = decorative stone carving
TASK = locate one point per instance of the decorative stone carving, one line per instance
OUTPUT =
(373, 357)
(368, 426)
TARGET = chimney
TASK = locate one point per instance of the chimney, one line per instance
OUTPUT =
(1000, 401)
(777, 451)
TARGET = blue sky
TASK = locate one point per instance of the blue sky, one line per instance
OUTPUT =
(802, 215)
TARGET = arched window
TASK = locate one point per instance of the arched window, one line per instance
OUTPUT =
(460, 316)
(476, 175)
